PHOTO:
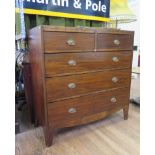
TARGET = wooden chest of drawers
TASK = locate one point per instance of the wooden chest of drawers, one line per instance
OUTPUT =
(79, 75)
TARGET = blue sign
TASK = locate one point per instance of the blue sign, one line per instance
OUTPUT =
(82, 9)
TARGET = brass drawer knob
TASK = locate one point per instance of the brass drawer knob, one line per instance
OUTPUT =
(72, 110)
(114, 79)
(71, 42)
(72, 62)
(71, 85)
(116, 42)
(115, 59)
(113, 100)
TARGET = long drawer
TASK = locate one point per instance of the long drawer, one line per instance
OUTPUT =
(62, 41)
(63, 112)
(114, 41)
(68, 86)
(73, 63)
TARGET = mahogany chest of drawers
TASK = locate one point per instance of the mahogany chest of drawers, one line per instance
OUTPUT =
(79, 75)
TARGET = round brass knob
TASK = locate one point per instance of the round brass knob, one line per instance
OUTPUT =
(72, 110)
(114, 79)
(115, 59)
(71, 42)
(116, 42)
(71, 85)
(113, 100)
(72, 62)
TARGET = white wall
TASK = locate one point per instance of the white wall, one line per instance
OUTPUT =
(134, 26)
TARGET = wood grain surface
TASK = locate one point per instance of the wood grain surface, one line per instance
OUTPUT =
(59, 115)
(95, 72)
(99, 30)
(57, 87)
(106, 41)
(57, 41)
(36, 65)
(58, 64)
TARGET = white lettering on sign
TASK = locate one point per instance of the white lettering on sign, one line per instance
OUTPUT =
(65, 3)
(53, 2)
(99, 6)
(95, 6)
(41, 1)
(88, 4)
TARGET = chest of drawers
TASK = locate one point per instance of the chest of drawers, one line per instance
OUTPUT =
(79, 75)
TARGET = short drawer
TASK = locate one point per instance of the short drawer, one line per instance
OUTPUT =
(114, 41)
(111, 99)
(69, 110)
(68, 86)
(65, 42)
(71, 63)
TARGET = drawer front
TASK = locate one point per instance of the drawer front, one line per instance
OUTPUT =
(114, 41)
(67, 111)
(70, 109)
(62, 42)
(111, 99)
(71, 63)
(68, 86)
